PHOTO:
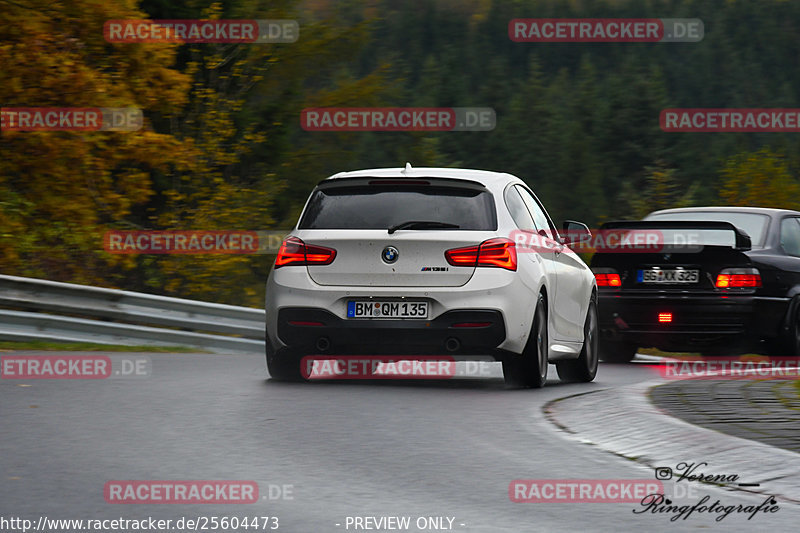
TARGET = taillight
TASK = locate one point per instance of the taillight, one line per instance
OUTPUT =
(607, 277)
(294, 252)
(500, 253)
(730, 278)
(665, 318)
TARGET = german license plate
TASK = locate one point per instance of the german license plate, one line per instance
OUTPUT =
(659, 275)
(373, 309)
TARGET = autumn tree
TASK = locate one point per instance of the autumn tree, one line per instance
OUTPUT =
(761, 179)
(58, 190)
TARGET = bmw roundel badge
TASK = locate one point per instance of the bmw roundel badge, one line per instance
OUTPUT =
(390, 254)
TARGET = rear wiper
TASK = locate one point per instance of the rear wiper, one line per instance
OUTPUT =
(422, 224)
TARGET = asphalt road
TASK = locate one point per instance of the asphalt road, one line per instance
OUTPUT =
(347, 449)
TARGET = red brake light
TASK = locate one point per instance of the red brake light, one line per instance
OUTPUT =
(608, 280)
(294, 252)
(665, 317)
(500, 253)
(467, 256)
(738, 278)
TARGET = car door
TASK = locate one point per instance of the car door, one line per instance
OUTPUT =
(790, 245)
(533, 263)
(571, 292)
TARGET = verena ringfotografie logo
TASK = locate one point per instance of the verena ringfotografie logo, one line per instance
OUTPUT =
(690, 473)
(180, 492)
(611, 30)
(398, 119)
(582, 490)
(201, 31)
(707, 120)
(74, 367)
(193, 242)
(760, 368)
(70, 119)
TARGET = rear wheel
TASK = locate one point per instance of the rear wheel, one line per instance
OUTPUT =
(530, 368)
(789, 343)
(617, 352)
(584, 368)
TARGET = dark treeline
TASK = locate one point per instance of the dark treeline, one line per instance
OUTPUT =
(579, 122)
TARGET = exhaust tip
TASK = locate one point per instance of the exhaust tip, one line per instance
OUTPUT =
(452, 344)
(323, 344)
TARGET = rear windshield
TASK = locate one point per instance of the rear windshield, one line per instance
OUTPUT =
(383, 206)
(754, 224)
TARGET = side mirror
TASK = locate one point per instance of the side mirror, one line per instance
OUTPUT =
(575, 231)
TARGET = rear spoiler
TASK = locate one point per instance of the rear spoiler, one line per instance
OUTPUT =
(401, 181)
(743, 242)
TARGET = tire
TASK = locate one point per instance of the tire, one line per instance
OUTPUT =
(616, 352)
(789, 343)
(529, 369)
(283, 365)
(584, 368)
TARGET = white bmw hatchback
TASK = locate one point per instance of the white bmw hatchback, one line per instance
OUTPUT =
(432, 261)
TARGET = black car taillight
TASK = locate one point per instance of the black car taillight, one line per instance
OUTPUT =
(731, 278)
(607, 277)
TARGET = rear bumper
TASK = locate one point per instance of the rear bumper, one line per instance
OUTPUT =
(505, 294)
(697, 321)
(385, 336)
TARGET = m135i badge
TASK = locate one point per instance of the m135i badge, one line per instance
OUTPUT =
(435, 269)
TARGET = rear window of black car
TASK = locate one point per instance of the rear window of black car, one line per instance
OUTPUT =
(383, 206)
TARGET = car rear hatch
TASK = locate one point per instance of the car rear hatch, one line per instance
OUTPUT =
(395, 232)
(677, 257)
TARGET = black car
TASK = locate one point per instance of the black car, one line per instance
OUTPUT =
(714, 280)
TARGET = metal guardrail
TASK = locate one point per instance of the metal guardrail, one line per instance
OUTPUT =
(35, 309)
